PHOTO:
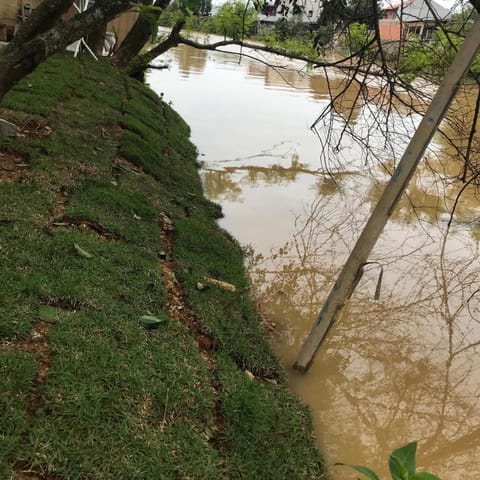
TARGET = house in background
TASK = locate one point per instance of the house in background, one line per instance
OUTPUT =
(14, 12)
(404, 17)
(271, 13)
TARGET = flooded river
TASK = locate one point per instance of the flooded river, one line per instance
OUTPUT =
(401, 368)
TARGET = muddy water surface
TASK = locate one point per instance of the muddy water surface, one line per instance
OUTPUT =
(402, 368)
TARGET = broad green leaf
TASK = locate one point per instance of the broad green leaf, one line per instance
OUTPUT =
(83, 253)
(363, 470)
(150, 321)
(47, 314)
(397, 469)
(424, 476)
(402, 461)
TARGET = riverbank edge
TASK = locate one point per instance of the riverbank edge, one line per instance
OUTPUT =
(129, 344)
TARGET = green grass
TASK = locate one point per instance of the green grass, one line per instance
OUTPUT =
(120, 401)
(118, 393)
(267, 442)
(17, 370)
(128, 214)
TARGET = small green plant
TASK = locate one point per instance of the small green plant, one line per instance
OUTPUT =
(402, 465)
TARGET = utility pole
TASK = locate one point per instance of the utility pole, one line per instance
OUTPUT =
(348, 277)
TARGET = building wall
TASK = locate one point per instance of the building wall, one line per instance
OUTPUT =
(10, 10)
(122, 25)
(390, 30)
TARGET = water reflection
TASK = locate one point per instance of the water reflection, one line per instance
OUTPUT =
(225, 182)
(193, 61)
(347, 102)
(402, 368)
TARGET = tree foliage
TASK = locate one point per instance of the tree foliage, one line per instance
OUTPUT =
(357, 38)
(198, 7)
(234, 20)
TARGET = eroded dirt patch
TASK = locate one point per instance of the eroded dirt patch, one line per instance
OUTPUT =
(86, 225)
(66, 304)
(38, 344)
(22, 471)
(13, 167)
(180, 311)
(178, 308)
(32, 126)
(25, 474)
(61, 199)
(122, 165)
(34, 129)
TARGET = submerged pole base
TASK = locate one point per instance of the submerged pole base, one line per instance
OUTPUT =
(301, 368)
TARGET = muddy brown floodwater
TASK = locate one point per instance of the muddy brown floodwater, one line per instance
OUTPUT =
(405, 367)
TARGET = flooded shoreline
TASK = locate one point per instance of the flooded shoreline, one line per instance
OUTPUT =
(403, 368)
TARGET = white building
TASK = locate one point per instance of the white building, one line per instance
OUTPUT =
(271, 14)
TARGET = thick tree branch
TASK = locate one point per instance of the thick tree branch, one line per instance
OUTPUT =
(262, 48)
(175, 38)
(137, 37)
(140, 62)
(42, 19)
(19, 59)
(342, 64)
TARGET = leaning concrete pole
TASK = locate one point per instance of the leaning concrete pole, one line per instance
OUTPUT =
(347, 279)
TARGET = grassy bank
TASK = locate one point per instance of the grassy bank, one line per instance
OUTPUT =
(103, 222)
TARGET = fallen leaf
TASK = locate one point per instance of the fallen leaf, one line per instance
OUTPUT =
(151, 321)
(83, 253)
(224, 285)
(47, 313)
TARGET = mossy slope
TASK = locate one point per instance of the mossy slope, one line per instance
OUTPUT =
(87, 392)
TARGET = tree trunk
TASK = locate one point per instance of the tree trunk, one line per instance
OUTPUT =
(139, 63)
(96, 40)
(136, 38)
(29, 49)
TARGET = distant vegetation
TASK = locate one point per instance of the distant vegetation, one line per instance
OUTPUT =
(415, 57)
(236, 21)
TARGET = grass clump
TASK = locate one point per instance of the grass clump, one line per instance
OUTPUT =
(98, 395)
(265, 443)
(124, 213)
(17, 370)
(119, 395)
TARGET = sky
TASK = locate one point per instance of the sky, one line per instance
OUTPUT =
(443, 3)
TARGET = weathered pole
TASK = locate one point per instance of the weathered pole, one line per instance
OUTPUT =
(347, 279)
